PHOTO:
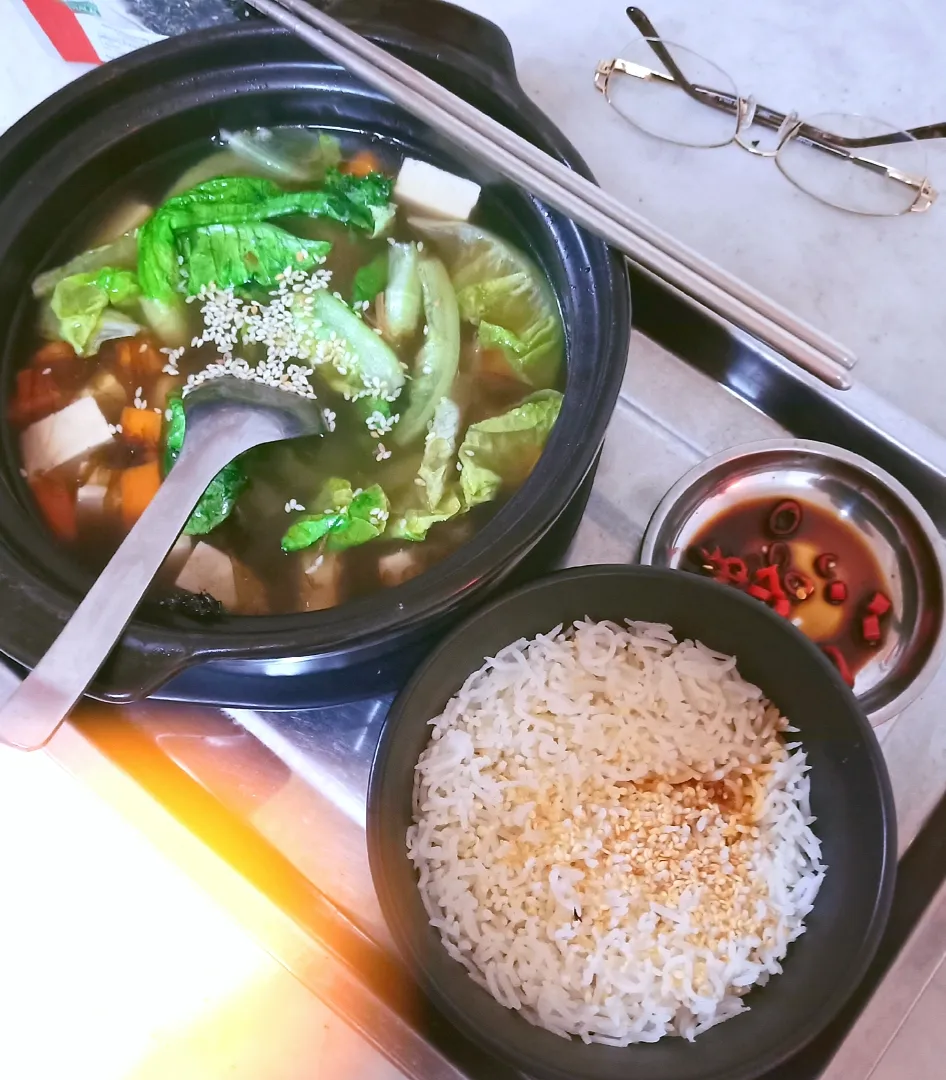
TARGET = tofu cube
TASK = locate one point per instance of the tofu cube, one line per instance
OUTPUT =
(71, 433)
(90, 503)
(107, 392)
(320, 581)
(426, 189)
(208, 570)
(176, 558)
(399, 566)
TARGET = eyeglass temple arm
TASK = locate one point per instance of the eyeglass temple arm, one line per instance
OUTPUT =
(646, 27)
(770, 118)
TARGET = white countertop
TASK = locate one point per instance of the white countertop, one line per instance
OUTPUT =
(873, 283)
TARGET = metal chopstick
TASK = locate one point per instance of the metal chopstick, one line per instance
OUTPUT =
(569, 192)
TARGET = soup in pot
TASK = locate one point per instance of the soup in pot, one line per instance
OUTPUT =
(433, 348)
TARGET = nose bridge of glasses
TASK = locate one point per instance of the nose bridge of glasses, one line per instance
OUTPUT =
(749, 113)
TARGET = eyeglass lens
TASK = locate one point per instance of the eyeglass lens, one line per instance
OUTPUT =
(646, 94)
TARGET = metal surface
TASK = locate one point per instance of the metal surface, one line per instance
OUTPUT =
(298, 780)
(580, 199)
(909, 551)
(225, 418)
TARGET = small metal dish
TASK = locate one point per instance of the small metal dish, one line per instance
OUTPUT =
(904, 540)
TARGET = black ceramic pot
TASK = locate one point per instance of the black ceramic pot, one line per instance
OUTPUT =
(82, 142)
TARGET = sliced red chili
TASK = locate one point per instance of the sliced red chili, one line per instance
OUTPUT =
(760, 593)
(768, 578)
(878, 604)
(707, 560)
(870, 628)
(836, 657)
(785, 518)
(781, 605)
(734, 571)
(798, 585)
(835, 592)
(779, 554)
(826, 564)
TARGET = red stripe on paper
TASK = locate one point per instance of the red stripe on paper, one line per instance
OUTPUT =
(64, 30)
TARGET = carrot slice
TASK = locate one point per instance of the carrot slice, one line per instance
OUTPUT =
(142, 425)
(139, 485)
(361, 164)
(57, 504)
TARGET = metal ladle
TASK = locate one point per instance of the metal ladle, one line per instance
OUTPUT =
(225, 417)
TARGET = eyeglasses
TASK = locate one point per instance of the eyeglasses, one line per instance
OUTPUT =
(676, 95)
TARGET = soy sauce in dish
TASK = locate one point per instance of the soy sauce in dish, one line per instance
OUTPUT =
(809, 565)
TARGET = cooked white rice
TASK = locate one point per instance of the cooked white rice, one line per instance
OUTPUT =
(611, 834)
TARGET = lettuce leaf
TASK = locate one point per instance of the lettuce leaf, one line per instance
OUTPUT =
(438, 499)
(402, 297)
(233, 255)
(440, 448)
(414, 523)
(363, 202)
(121, 253)
(217, 502)
(502, 450)
(370, 280)
(80, 300)
(369, 363)
(345, 518)
(298, 155)
(503, 293)
(436, 365)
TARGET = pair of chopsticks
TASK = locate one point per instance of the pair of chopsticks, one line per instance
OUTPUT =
(576, 197)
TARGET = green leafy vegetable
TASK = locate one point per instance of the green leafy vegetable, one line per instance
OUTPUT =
(112, 324)
(298, 154)
(224, 200)
(168, 320)
(502, 450)
(363, 202)
(367, 362)
(436, 365)
(440, 449)
(175, 427)
(217, 502)
(370, 279)
(435, 499)
(365, 199)
(415, 522)
(78, 302)
(504, 294)
(402, 298)
(345, 519)
(121, 253)
(233, 255)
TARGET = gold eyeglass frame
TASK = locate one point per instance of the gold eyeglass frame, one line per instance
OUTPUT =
(786, 125)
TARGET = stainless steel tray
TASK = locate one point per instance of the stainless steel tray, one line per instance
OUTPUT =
(282, 795)
(267, 810)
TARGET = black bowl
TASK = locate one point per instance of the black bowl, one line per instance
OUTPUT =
(850, 795)
(78, 147)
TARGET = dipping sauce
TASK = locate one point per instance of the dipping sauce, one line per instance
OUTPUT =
(809, 565)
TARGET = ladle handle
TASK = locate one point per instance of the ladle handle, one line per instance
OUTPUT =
(43, 700)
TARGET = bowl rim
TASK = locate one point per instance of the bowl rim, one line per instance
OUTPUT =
(379, 854)
(813, 447)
